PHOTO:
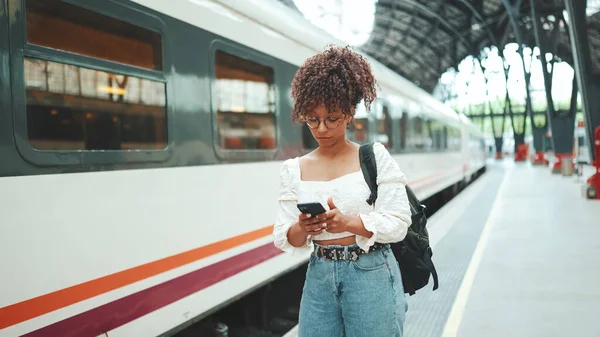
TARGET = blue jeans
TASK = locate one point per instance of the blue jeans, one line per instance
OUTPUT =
(362, 298)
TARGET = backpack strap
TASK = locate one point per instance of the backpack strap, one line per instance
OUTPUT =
(431, 267)
(368, 166)
(413, 201)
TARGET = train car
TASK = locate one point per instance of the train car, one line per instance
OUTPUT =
(140, 146)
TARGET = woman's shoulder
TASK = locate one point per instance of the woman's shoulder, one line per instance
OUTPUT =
(387, 167)
(287, 176)
(380, 151)
(289, 164)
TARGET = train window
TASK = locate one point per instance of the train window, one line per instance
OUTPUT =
(384, 127)
(244, 95)
(59, 25)
(437, 134)
(453, 138)
(359, 130)
(420, 138)
(76, 108)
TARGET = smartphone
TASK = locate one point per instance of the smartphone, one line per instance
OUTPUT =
(313, 208)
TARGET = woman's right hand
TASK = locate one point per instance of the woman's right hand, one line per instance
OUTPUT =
(311, 225)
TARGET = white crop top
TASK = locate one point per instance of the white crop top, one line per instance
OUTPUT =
(388, 220)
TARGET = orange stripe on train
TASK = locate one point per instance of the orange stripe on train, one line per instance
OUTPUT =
(37, 306)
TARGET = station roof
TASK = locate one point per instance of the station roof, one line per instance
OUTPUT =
(421, 39)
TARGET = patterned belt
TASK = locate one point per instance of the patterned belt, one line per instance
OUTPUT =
(344, 253)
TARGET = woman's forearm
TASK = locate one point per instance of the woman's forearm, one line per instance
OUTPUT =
(356, 226)
(296, 236)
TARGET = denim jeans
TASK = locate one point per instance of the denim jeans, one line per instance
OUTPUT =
(362, 298)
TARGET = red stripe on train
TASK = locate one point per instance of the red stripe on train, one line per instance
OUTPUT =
(112, 315)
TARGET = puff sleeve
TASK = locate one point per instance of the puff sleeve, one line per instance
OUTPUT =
(391, 217)
(287, 213)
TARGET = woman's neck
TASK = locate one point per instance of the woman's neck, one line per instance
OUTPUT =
(336, 149)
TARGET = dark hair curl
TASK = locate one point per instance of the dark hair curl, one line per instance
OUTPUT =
(339, 78)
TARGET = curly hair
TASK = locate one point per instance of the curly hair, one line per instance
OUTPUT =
(339, 78)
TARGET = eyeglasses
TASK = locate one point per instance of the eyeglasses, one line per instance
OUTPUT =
(330, 122)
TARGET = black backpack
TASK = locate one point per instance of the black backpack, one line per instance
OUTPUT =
(413, 253)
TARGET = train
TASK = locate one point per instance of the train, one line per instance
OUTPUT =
(140, 148)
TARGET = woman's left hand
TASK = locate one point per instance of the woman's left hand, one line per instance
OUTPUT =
(335, 220)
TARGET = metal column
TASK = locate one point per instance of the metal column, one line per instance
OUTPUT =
(513, 12)
(589, 87)
(587, 82)
(560, 122)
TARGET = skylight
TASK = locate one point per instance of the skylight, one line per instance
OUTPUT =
(348, 20)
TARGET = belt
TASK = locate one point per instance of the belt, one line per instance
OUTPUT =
(344, 253)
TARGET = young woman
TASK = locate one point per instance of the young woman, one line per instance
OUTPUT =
(353, 286)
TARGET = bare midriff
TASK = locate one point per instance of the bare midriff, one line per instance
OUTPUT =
(347, 241)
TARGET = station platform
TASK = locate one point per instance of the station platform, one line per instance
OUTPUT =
(517, 255)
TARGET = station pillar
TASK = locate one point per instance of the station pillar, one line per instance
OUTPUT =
(499, 141)
(563, 130)
(539, 135)
(593, 183)
(521, 148)
(588, 79)
(561, 123)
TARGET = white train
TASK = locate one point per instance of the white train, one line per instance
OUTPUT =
(140, 146)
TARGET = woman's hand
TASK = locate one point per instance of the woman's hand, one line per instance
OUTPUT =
(336, 221)
(311, 225)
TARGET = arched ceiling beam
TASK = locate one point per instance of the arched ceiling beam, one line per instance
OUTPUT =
(431, 18)
(422, 36)
(440, 19)
(396, 49)
(479, 17)
(434, 28)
